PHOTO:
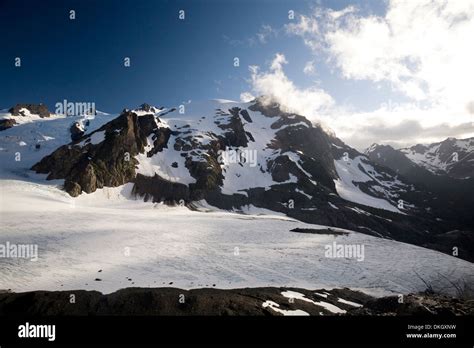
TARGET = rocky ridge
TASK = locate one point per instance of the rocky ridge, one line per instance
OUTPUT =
(266, 301)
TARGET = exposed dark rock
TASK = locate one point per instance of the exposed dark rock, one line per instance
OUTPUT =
(416, 304)
(388, 156)
(245, 115)
(290, 119)
(7, 123)
(313, 146)
(211, 301)
(456, 243)
(250, 136)
(37, 109)
(148, 108)
(145, 107)
(320, 231)
(266, 106)
(235, 135)
(108, 163)
(73, 188)
(463, 168)
(77, 131)
(157, 189)
(281, 168)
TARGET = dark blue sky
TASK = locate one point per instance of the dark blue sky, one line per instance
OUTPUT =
(171, 60)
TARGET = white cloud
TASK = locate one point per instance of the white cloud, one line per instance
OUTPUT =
(421, 48)
(246, 97)
(261, 37)
(470, 107)
(274, 83)
(265, 32)
(306, 25)
(392, 123)
(309, 68)
(397, 125)
(277, 62)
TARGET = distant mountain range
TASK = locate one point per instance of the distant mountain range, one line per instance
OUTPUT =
(451, 157)
(446, 169)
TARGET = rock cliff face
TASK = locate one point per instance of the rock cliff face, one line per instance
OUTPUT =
(104, 157)
(7, 123)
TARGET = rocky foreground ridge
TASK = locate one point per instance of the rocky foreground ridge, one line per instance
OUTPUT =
(208, 301)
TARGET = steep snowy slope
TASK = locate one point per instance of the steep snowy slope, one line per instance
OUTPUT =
(355, 172)
(244, 166)
(369, 181)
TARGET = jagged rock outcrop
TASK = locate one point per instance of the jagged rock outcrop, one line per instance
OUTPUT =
(77, 131)
(36, 109)
(148, 108)
(104, 157)
(235, 133)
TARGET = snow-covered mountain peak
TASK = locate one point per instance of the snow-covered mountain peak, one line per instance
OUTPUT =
(228, 154)
(145, 109)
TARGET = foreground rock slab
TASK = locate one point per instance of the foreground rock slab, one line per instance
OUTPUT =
(237, 302)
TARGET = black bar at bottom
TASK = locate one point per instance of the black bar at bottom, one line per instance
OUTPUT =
(244, 330)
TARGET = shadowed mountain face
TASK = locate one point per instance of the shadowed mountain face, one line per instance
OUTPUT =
(451, 157)
(236, 155)
(396, 160)
(432, 167)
